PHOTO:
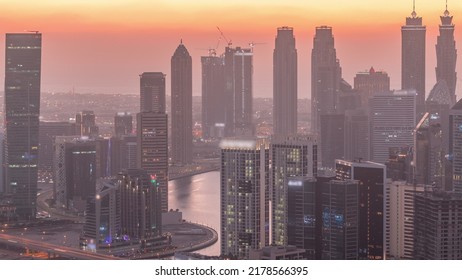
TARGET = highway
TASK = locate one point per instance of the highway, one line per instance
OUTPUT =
(53, 249)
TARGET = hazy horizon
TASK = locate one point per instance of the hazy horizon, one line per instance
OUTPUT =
(102, 46)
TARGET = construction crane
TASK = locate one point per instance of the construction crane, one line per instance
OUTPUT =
(224, 37)
(252, 44)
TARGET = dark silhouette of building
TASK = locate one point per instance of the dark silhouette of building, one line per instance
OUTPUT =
(239, 94)
(181, 115)
(370, 83)
(340, 220)
(123, 124)
(446, 54)
(285, 83)
(152, 131)
(413, 59)
(325, 77)
(85, 124)
(213, 97)
(371, 177)
(22, 109)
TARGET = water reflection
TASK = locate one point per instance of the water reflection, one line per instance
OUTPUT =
(198, 197)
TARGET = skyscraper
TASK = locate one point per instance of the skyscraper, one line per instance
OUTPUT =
(446, 54)
(393, 122)
(285, 83)
(371, 177)
(181, 106)
(325, 77)
(22, 109)
(413, 58)
(290, 156)
(244, 196)
(152, 131)
(213, 96)
(239, 92)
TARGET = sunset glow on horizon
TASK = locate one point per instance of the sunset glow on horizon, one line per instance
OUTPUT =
(102, 45)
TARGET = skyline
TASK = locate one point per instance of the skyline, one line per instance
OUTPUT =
(74, 35)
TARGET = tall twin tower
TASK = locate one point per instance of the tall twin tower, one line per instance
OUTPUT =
(413, 56)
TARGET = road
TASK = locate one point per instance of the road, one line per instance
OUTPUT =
(54, 213)
(53, 249)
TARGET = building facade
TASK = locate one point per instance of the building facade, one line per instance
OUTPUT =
(438, 226)
(399, 217)
(446, 54)
(213, 94)
(285, 83)
(393, 122)
(181, 138)
(152, 92)
(123, 124)
(23, 53)
(140, 204)
(326, 75)
(369, 83)
(290, 157)
(244, 196)
(371, 177)
(413, 58)
(152, 131)
(301, 214)
(239, 92)
(85, 124)
(340, 220)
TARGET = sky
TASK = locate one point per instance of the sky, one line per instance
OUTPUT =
(101, 46)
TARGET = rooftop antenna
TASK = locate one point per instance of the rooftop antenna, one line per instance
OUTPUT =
(414, 14)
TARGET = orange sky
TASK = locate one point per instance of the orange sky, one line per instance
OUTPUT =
(102, 45)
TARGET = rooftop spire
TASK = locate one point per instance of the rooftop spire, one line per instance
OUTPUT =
(414, 14)
(446, 12)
